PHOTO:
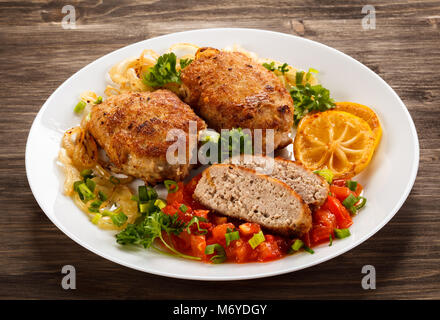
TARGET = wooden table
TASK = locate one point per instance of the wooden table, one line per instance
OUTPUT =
(37, 55)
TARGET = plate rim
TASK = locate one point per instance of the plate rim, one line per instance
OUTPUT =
(357, 242)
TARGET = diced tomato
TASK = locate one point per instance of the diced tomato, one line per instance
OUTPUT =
(219, 220)
(240, 251)
(268, 250)
(183, 241)
(218, 233)
(343, 183)
(324, 222)
(339, 182)
(198, 245)
(191, 186)
(359, 189)
(188, 192)
(174, 207)
(248, 228)
(201, 213)
(176, 196)
(171, 208)
(341, 192)
(343, 218)
(306, 239)
(283, 244)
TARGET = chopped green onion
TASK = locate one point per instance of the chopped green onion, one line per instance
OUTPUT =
(135, 198)
(119, 219)
(152, 193)
(98, 100)
(269, 66)
(76, 185)
(102, 196)
(147, 206)
(257, 239)
(94, 206)
(171, 186)
(298, 244)
(85, 192)
(91, 184)
(160, 204)
(326, 174)
(331, 240)
(231, 236)
(350, 202)
(114, 180)
(283, 69)
(107, 213)
(96, 218)
(80, 107)
(309, 250)
(352, 185)
(363, 202)
(221, 254)
(342, 233)
(309, 73)
(87, 173)
(143, 193)
(143, 207)
(183, 208)
(299, 77)
(196, 220)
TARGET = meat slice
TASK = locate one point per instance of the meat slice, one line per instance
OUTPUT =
(311, 187)
(132, 128)
(244, 194)
(230, 90)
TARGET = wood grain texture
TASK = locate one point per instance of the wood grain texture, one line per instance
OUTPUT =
(37, 55)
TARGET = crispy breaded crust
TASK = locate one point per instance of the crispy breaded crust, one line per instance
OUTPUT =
(132, 128)
(231, 90)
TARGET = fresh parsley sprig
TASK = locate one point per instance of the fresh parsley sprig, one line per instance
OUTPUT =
(152, 227)
(163, 72)
(308, 98)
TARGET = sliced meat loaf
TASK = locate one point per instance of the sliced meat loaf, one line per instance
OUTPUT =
(245, 194)
(310, 186)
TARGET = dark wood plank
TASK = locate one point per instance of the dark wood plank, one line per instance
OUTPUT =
(37, 55)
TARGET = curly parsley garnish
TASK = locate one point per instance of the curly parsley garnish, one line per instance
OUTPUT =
(145, 233)
(307, 98)
(163, 72)
(153, 224)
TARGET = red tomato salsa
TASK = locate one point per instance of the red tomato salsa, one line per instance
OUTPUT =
(212, 228)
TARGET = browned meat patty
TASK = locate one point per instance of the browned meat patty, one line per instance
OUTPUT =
(230, 90)
(244, 194)
(311, 187)
(132, 129)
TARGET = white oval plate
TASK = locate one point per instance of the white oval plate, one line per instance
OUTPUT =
(388, 179)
